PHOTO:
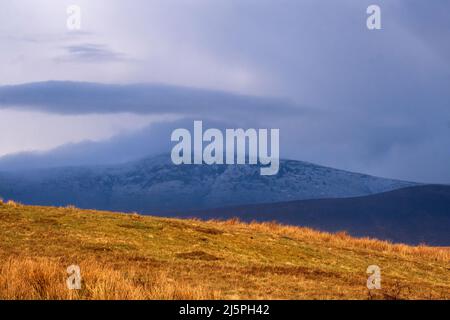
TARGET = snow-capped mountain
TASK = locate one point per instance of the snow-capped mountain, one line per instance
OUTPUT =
(154, 185)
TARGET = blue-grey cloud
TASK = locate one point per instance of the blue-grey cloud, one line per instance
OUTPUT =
(88, 98)
(90, 53)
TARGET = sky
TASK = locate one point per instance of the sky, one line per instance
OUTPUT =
(373, 101)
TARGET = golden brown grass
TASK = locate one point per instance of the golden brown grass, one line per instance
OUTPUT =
(129, 256)
(345, 240)
(45, 278)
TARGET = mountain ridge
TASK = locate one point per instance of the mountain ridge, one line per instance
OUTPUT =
(152, 184)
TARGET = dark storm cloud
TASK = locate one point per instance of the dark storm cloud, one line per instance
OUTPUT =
(322, 54)
(92, 98)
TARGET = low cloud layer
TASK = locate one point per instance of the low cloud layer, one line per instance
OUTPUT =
(90, 53)
(92, 98)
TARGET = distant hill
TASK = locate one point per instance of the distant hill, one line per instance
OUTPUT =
(128, 256)
(155, 185)
(414, 215)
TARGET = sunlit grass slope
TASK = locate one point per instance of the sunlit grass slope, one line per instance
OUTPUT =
(127, 256)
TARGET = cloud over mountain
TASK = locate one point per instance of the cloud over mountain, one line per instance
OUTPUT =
(66, 97)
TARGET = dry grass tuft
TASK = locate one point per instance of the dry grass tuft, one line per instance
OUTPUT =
(136, 216)
(44, 278)
(13, 204)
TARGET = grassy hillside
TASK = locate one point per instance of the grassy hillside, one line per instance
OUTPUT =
(135, 257)
(413, 215)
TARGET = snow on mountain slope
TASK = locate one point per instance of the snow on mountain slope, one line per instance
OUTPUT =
(155, 185)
